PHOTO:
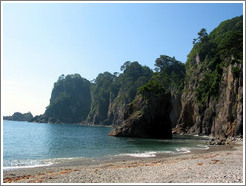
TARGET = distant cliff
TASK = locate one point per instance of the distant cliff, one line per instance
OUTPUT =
(111, 93)
(70, 101)
(17, 116)
(100, 102)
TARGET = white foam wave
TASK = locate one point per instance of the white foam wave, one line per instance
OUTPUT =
(205, 147)
(17, 164)
(141, 155)
(183, 150)
(26, 166)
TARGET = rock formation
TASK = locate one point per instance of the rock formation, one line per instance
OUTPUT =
(146, 118)
(17, 116)
(217, 109)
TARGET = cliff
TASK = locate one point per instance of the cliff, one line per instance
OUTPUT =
(208, 100)
(112, 92)
(70, 101)
(212, 99)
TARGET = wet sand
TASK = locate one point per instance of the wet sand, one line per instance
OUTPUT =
(218, 164)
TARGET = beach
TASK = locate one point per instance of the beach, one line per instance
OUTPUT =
(218, 164)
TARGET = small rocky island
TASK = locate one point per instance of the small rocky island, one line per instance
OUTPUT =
(17, 116)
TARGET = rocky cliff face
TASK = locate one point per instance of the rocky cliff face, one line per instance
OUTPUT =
(70, 101)
(146, 118)
(229, 108)
(116, 111)
(219, 117)
(112, 92)
(212, 99)
(175, 109)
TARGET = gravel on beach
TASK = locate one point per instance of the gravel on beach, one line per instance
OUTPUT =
(218, 164)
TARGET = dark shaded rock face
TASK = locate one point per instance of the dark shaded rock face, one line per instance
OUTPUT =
(44, 119)
(176, 109)
(114, 113)
(17, 116)
(146, 118)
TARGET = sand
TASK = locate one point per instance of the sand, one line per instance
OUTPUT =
(218, 164)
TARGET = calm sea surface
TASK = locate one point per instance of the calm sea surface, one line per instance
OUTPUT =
(36, 144)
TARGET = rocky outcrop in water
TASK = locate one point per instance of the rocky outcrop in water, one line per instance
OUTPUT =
(146, 118)
(45, 119)
(17, 116)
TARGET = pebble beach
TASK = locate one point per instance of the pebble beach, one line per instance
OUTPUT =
(218, 164)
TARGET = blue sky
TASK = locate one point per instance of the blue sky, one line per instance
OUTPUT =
(41, 41)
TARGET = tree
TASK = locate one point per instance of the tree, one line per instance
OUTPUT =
(125, 65)
(169, 76)
(202, 36)
(61, 77)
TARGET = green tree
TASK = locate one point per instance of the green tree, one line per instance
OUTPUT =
(202, 36)
(169, 76)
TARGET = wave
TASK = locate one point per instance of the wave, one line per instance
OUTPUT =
(146, 154)
(203, 147)
(141, 154)
(19, 164)
(183, 150)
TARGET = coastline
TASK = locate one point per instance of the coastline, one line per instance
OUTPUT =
(218, 164)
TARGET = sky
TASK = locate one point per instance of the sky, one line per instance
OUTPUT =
(41, 41)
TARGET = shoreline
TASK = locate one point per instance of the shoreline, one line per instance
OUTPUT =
(218, 164)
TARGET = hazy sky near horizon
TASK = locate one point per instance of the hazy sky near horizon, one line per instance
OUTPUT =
(41, 41)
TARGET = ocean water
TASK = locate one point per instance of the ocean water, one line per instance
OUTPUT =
(28, 144)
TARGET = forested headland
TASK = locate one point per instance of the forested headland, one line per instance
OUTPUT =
(202, 96)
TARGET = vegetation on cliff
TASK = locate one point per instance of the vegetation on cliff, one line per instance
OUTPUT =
(110, 93)
(169, 76)
(222, 47)
(70, 99)
(148, 114)
(212, 98)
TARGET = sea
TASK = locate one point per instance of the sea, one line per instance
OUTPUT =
(27, 144)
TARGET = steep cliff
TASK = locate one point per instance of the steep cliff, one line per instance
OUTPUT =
(111, 93)
(101, 91)
(70, 101)
(212, 99)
